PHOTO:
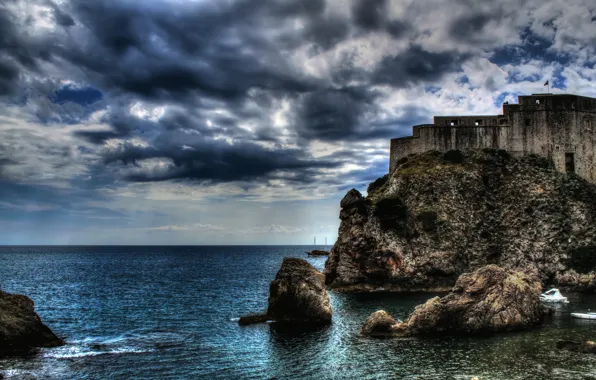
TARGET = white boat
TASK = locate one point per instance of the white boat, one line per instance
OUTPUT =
(584, 315)
(554, 296)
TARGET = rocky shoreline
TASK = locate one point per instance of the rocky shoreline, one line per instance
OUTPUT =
(488, 300)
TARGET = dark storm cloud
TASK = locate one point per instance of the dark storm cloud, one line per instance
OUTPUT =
(416, 65)
(196, 58)
(369, 14)
(333, 114)
(62, 18)
(215, 160)
(325, 33)
(9, 74)
(351, 114)
(469, 27)
(207, 50)
(372, 15)
(15, 44)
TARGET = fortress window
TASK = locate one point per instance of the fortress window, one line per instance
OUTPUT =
(528, 122)
(478, 122)
(537, 101)
(502, 122)
(453, 122)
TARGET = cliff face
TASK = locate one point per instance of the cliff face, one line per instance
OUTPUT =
(440, 215)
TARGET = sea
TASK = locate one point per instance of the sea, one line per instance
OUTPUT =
(171, 312)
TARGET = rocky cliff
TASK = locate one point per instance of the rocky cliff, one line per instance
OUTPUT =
(21, 329)
(437, 216)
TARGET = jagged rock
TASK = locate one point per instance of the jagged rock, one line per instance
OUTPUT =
(318, 252)
(434, 218)
(21, 329)
(351, 199)
(588, 347)
(488, 300)
(381, 324)
(297, 295)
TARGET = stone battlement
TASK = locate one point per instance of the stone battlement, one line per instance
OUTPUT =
(559, 127)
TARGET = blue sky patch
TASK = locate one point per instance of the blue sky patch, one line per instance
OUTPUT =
(80, 95)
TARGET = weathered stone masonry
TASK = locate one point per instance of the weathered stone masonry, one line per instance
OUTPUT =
(558, 127)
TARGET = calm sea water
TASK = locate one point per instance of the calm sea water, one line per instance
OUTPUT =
(170, 313)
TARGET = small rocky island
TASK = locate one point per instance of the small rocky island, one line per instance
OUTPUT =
(439, 215)
(21, 329)
(318, 252)
(296, 295)
(488, 300)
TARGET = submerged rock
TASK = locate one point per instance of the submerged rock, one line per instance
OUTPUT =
(587, 347)
(21, 329)
(252, 319)
(491, 299)
(318, 252)
(297, 295)
(381, 324)
(435, 218)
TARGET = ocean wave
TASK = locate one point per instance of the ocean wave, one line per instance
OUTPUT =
(129, 343)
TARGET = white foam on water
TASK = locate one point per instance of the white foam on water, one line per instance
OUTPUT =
(81, 352)
(129, 343)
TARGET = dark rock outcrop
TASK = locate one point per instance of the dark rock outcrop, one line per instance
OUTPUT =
(297, 295)
(381, 324)
(318, 252)
(252, 319)
(436, 217)
(21, 329)
(488, 300)
(586, 347)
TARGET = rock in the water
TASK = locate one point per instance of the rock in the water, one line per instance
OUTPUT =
(252, 319)
(318, 252)
(588, 347)
(21, 328)
(381, 324)
(297, 295)
(491, 299)
(435, 218)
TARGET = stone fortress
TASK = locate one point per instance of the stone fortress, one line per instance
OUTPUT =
(558, 127)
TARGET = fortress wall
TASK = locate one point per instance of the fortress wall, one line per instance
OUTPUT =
(529, 132)
(442, 138)
(472, 121)
(550, 126)
(586, 145)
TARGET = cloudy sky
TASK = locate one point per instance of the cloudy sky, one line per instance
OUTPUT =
(245, 122)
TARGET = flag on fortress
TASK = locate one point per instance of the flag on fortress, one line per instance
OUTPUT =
(546, 83)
